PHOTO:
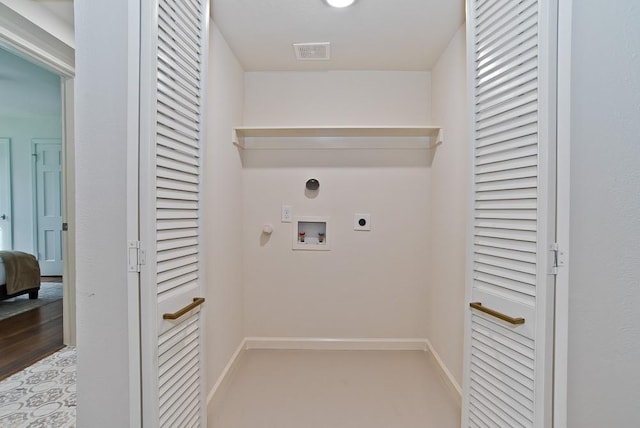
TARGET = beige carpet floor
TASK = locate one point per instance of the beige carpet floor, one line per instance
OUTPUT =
(335, 389)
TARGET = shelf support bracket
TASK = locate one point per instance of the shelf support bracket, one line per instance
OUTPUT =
(438, 139)
(236, 139)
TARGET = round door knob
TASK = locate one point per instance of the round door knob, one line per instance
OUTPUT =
(3, 217)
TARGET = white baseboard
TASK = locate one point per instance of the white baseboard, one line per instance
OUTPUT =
(333, 344)
(452, 383)
(223, 379)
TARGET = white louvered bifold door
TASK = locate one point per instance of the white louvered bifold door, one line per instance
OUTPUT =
(508, 372)
(174, 36)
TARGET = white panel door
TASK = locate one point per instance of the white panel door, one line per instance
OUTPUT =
(508, 338)
(6, 229)
(48, 183)
(173, 57)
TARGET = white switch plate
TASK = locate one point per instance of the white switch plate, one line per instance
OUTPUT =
(358, 219)
(287, 214)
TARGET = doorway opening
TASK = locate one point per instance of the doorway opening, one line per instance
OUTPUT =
(36, 206)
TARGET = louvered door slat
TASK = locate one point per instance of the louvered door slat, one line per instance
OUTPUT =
(493, 54)
(507, 11)
(492, 405)
(177, 107)
(507, 176)
(482, 416)
(495, 401)
(507, 102)
(173, 82)
(190, 124)
(506, 273)
(509, 74)
(522, 86)
(177, 194)
(505, 55)
(485, 9)
(170, 36)
(182, 274)
(170, 203)
(173, 43)
(172, 170)
(507, 253)
(173, 393)
(503, 369)
(514, 77)
(506, 145)
(509, 29)
(479, 418)
(523, 151)
(174, 67)
(172, 413)
(513, 13)
(517, 108)
(178, 370)
(520, 392)
(507, 244)
(505, 395)
(502, 130)
(179, 22)
(189, 15)
(166, 235)
(172, 123)
(187, 376)
(169, 134)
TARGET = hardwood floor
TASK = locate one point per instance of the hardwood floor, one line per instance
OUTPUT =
(30, 336)
(50, 279)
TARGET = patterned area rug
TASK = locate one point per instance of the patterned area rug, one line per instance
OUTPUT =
(43, 395)
(49, 291)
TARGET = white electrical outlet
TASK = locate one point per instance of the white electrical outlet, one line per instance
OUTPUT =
(362, 222)
(287, 214)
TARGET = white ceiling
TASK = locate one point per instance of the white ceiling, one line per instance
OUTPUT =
(63, 9)
(370, 35)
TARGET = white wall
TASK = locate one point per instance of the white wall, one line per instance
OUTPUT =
(222, 190)
(604, 319)
(337, 98)
(30, 108)
(448, 204)
(371, 284)
(101, 214)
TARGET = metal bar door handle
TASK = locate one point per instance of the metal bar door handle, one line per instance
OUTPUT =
(197, 301)
(503, 317)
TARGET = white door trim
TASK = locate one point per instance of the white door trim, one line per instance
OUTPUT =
(7, 169)
(68, 212)
(26, 39)
(563, 214)
(133, 213)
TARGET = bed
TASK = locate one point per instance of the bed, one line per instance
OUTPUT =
(19, 274)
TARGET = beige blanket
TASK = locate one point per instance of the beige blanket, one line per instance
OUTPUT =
(23, 271)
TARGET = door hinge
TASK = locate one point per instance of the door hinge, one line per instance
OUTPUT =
(136, 256)
(558, 258)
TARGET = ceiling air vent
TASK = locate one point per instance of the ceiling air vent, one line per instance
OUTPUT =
(312, 51)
